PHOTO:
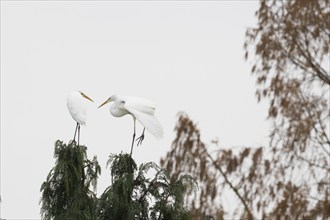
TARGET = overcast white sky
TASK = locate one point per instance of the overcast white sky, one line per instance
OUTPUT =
(184, 56)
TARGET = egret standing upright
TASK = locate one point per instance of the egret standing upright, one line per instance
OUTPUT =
(77, 105)
(141, 109)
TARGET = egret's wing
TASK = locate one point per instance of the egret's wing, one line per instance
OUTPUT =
(149, 121)
(140, 104)
(77, 108)
(79, 117)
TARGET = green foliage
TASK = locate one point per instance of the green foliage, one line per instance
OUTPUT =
(66, 193)
(133, 195)
(136, 192)
(116, 200)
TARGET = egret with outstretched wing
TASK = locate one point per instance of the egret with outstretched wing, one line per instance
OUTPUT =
(141, 110)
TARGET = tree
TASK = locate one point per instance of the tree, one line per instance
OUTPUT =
(132, 195)
(291, 63)
(66, 193)
(189, 154)
(289, 177)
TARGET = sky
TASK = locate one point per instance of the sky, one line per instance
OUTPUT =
(182, 55)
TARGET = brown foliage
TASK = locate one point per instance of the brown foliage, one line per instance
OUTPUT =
(264, 183)
(291, 57)
(289, 179)
(188, 155)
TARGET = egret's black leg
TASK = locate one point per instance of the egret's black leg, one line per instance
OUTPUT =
(74, 137)
(133, 138)
(141, 138)
(78, 133)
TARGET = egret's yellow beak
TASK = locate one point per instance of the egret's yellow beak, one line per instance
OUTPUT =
(108, 100)
(86, 97)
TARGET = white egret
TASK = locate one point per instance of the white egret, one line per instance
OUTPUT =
(77, 105)
(141, 109)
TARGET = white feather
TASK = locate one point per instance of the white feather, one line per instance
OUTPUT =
(77, 107)
(149, 121)
(140, 105)
(141, 109)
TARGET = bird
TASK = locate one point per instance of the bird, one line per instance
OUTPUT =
(77, 106)
(141, 109)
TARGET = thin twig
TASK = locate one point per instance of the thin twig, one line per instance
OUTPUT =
(250, 216)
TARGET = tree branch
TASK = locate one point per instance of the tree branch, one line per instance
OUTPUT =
(250, 216)
(149, 186)
(311, 163)
(320, 72)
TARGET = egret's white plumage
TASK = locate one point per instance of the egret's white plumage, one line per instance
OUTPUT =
(141, 109)
(77, 105)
